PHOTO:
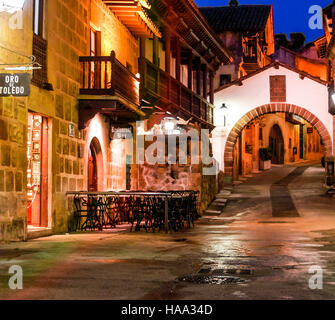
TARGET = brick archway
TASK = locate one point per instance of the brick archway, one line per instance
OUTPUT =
(271, 108)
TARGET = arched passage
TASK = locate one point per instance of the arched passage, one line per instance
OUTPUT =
(272, 108)
(95, 166)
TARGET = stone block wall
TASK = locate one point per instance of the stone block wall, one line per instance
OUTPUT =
(67, 26)
(165, 177)
(13, 168)
(68, 38)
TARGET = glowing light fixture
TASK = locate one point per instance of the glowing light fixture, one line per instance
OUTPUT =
(169, 125)
(22, 68)
(138, 76)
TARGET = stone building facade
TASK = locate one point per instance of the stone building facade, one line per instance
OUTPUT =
(67, 30)
(61, 137)
(248, 32)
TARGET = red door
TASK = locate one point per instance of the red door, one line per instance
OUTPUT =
(37, 174)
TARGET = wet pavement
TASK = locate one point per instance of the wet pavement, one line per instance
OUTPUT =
(275, 227)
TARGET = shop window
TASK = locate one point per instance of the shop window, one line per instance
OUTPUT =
(37, 171)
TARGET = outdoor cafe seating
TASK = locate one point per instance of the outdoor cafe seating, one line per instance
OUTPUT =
(151, 211)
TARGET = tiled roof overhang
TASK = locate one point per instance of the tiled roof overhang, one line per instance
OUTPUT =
(194, 26)
(132, 13)
(251, 18)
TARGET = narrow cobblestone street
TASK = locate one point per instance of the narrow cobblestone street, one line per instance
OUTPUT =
(275, 227)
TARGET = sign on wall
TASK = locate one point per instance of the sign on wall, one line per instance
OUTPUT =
(278, 88)
(17, 85)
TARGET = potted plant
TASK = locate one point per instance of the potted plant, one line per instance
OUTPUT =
(265, 156)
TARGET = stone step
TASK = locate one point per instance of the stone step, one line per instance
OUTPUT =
(212, 213)
(228, 192)
(220, 201)
(228, 188)
(217, 207)
(223, 194)
(237, 183)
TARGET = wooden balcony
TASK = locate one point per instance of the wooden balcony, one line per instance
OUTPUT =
(107, 76)
(109, 88)
(159, 87)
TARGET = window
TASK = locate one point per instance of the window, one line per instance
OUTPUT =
(129, 67)
(94, 43)
(261, 134)
(278, 88)
(39, 18)
(225, 79)
(40, 45)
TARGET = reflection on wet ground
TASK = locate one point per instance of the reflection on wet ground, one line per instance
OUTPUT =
(282, 202)
(246, 253)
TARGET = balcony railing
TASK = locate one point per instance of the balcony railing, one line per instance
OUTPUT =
(105, 75)
(158, 83)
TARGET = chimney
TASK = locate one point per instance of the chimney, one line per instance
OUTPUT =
(233, 3)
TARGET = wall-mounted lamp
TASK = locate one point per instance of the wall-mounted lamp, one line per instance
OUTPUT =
(331, 99)
(224, 106)
(169, 124)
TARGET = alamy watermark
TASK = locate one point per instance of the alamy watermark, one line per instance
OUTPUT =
(16, 279)
(316, 280)
(171, 146)
(315, 21)
(11, 12)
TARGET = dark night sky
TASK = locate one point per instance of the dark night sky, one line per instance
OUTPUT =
(289, 15)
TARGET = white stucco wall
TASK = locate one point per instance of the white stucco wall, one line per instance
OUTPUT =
(255, 92)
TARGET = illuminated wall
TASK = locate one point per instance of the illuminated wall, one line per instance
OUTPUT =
(255, 92)
(67, 27)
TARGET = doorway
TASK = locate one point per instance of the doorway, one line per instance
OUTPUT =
(276, 144)
(92, 170)
(95, 164)
(37, 170)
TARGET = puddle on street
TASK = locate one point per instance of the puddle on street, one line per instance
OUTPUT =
(210, 279)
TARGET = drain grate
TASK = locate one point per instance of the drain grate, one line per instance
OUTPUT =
(210, 279)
